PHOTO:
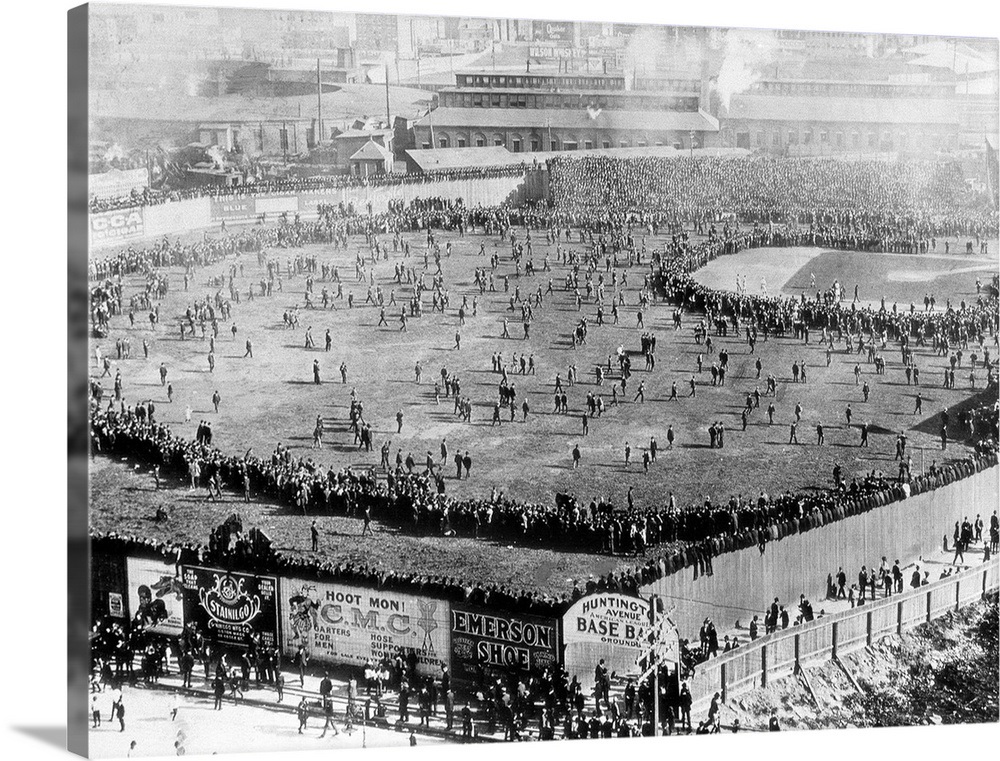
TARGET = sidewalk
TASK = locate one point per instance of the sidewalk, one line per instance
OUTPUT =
(266, 696)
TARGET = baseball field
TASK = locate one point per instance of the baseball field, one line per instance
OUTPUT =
(272, 397)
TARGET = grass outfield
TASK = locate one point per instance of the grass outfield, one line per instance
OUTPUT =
(898, 277)
(271, 398)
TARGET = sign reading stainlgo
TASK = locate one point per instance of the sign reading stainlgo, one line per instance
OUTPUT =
(341, 624)
(229, 606)
(483, 637)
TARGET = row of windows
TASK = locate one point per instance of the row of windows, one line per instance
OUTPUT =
(563, 100)
(540, 81)
(884, 141)
(554, 142)
(673, 85)
(848, 88)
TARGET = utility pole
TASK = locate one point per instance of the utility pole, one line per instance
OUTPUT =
(657, 643)
(388, 117)
(319, 106)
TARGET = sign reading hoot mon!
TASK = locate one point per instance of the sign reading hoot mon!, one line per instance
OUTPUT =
(227, 607)
(341, 624)
(611, 626)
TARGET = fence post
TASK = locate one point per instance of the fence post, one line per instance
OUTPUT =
(928, 605)
(722, 679)
(899, 617)
(833, 637)
(958, 594)
(868, 627)
(797, 666)
(985, 572)
(763, 665)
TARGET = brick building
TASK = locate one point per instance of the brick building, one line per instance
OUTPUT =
(530, 111)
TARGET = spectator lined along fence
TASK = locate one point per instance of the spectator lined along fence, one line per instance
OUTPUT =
(154, 197)
(692, 536)
(780, 653)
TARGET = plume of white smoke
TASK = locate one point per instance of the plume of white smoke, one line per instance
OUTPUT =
(593, 112)
(217, 155)
(114, 152)
(746, 52)
(644, 49)
(193, 84)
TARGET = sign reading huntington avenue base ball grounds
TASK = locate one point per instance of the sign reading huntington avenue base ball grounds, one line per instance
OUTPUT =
(351, 625)
(230, 606)
(489, 640)
(616, 628)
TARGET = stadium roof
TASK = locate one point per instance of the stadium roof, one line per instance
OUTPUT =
(562, 118)
(807, 108)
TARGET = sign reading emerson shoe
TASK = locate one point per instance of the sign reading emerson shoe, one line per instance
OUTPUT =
(228, 606)
(121, 224)
(350, 625)
(495, 640)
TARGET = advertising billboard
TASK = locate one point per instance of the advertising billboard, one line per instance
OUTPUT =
(233, 209)
(120, 225)
(606, 625)
(155, 595)
(554, 30)
(228, 606)
(493, 639)
(276, 204)
(349, 625)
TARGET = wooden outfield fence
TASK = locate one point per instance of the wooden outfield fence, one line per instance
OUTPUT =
(757, 663)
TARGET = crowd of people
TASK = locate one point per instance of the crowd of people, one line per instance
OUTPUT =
(692, 535)
(925, 199)
(152, 197)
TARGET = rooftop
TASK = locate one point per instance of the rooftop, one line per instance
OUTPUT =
(372, 151)
(355, 133)
(568, 91)
(437, 159)
(349, 102)
(861, 110)
(562, 118)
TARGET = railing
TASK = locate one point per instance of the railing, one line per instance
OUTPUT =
(782, 652)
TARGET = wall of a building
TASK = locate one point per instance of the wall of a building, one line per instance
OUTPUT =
(745, 582)
(908, 139)
(544, 137)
